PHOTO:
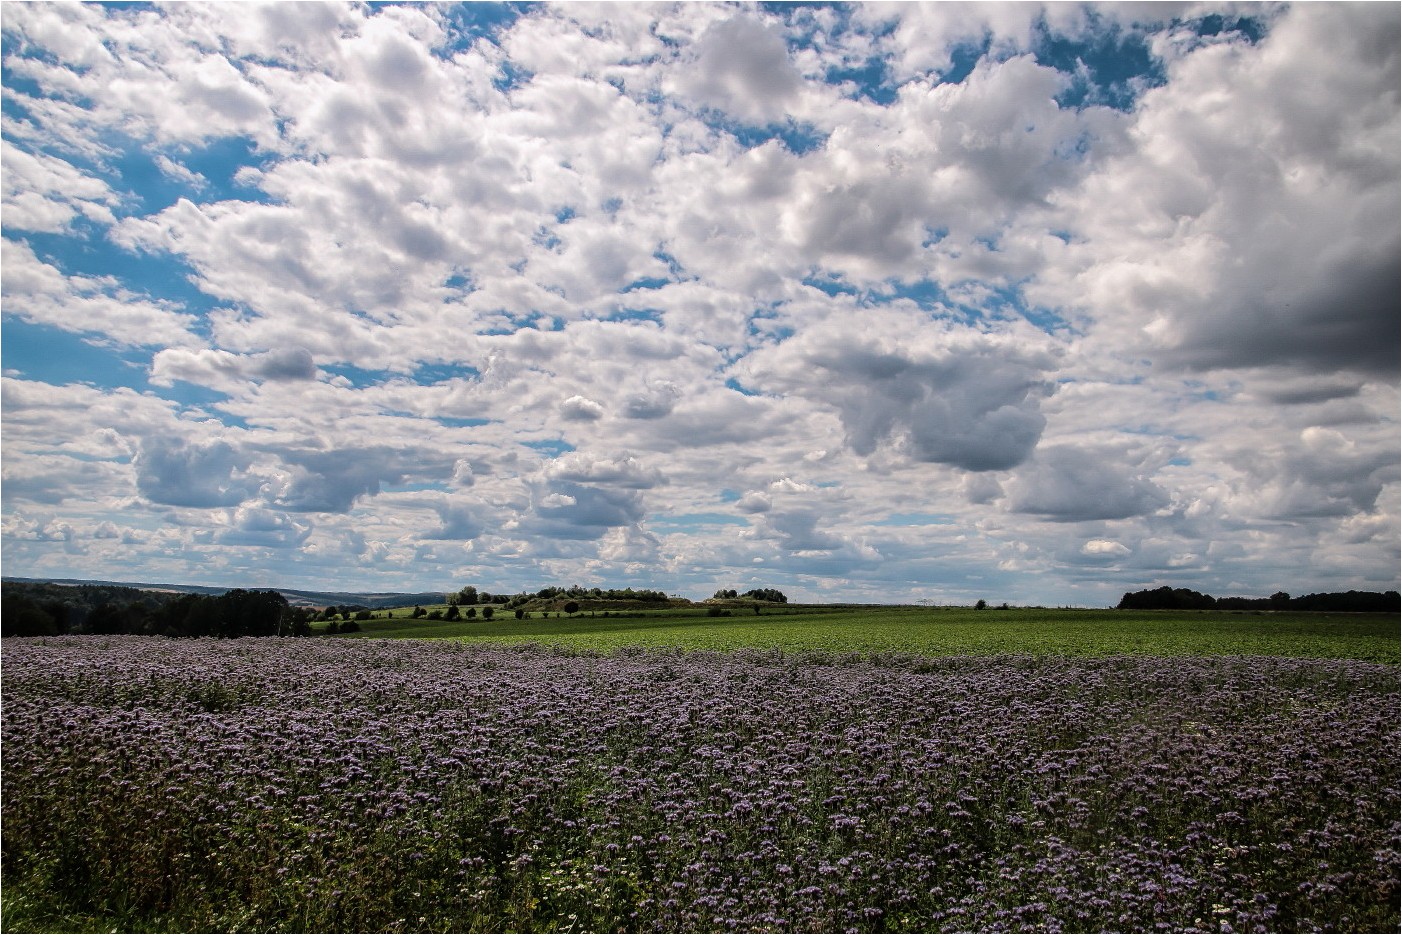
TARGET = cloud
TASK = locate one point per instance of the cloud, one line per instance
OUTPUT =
(1069, 484)
(45, 194)
(941, 395)
(226, 371)
(333, 481)
(655, 402)
(625, 471)
(742, 67)
(580, 409)
(577, 511)
(1255, 226)
(693, 296)
(40, 293)
(460, 521)
(1105, 549)
(254, 526)
(206, 475)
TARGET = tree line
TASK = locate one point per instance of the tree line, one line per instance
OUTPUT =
(757, 594)
(470, 596)
(53, 610)
(1167, 598)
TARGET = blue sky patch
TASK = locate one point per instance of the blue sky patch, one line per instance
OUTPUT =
(554, 447)
(1110, 70)
(41, 352)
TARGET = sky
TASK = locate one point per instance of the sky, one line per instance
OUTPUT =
(863, 302)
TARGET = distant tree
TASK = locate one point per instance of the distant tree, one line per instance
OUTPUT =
(471, 613)
(767, 594)
(571, 608)
(418, 612)
(363, 615)
(1167, 598)
(332, 627)
(724, 595)
(467, 595)
(298, 622)
(22, 616)
(980, 604)
(487, 612)
(453, 613)
(435, 614)
(350, 626)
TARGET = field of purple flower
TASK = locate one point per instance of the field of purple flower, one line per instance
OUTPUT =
(324, 785)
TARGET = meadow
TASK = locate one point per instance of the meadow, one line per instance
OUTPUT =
(934, 631)
(348, 785)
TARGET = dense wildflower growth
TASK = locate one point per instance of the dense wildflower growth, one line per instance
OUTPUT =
(323, 785)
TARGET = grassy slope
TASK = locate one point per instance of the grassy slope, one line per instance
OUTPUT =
(945, 631)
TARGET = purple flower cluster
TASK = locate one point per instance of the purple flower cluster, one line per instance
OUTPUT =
(404, 786)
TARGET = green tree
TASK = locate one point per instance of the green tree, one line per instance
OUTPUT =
(487, 612)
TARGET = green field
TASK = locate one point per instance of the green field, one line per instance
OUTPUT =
(937, 631)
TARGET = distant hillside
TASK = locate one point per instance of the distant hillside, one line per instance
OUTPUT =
(372, 599)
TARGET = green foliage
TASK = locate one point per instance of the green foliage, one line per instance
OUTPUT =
(767, 594)
(55, 609)
(1167, 598)
(947, 631)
